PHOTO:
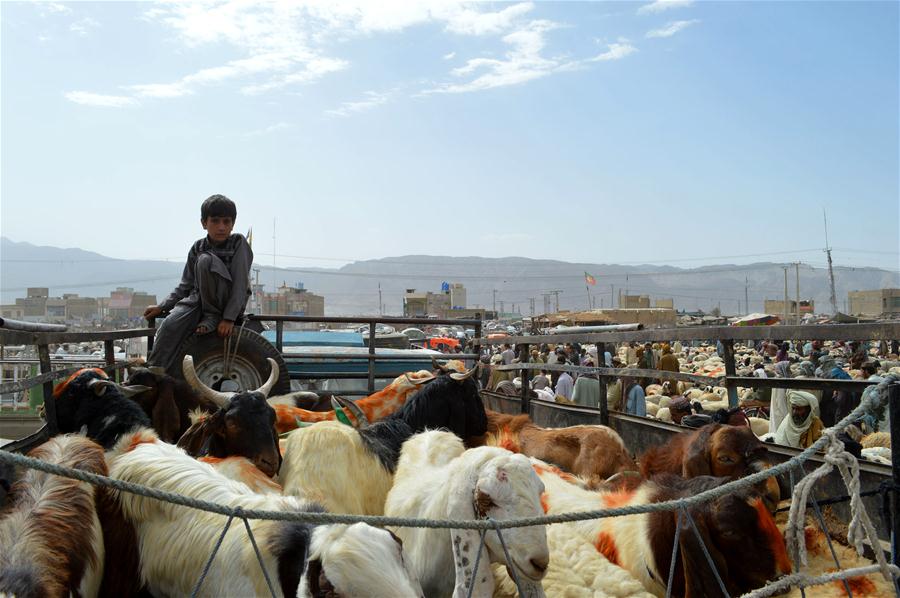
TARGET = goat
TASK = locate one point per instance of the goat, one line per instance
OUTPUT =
(438, 479)
(731, 527)
(716, 450)
(168, 402)
(305, 559)
(591, 452)
(50, 538)
(375, 406)
(327, 460)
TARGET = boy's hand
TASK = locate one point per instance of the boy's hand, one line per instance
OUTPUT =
(152, 311)
(225, 327)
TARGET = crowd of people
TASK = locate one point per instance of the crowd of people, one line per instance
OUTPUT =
(796, 417)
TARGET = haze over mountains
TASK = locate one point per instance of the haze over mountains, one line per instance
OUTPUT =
(353, 289)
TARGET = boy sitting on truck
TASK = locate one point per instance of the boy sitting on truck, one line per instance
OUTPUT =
(214, 287)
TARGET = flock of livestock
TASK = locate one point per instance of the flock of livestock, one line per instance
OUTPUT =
(424, 447)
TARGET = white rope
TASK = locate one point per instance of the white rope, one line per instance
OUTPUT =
(860, 527)
(802, 580)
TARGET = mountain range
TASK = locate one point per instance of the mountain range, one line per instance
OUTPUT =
(353, 289)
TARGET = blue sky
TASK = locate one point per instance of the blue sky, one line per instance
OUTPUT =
(652, 132)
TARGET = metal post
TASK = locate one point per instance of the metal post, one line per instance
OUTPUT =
(786, 311)
(601, 363)
(279, 336)
(49, 403)
(797, 272)
(480, 349)
(730, 371)
(151, 323)
(894, 410)
(109, 352)
(371, 355)
(526, 378)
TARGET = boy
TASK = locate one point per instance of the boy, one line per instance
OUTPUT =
(214, 287)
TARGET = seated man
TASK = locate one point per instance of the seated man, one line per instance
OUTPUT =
(803, 427)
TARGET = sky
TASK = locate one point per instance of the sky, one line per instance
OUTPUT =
(666, 132)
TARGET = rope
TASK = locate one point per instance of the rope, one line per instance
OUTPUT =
(860, 527)
(712, 564)
(211, 557)
(674, 555)
(259, 557)
(477, 562)
(512, 565)
(802, 580)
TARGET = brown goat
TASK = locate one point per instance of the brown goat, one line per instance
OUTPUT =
(50, 537)
(167, 402)
(591, 452)
(715, 449)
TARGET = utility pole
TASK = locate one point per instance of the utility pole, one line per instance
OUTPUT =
(830, 269)
(546, 297)
(556, 295)
(501, 309)
(531, 304)
(746, 295)
(380, 304)
(612, 296)
(274, 274)
(785, 296)
(495, 300)
(797, 272)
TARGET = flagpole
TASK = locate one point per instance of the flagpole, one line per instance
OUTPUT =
(588, 289)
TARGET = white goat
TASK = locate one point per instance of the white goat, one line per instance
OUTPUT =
(301, 559)
(437, 478)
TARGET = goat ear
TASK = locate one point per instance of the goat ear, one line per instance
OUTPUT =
(165, 417)
(195, 440)
(697, 455)
(699, 581)
(464, 544)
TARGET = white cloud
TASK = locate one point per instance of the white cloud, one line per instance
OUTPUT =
(672, 28)
(372, 99)
(54, 8)
(95, 99)
(83, 26)
(615, 51)
(270, 129)
(467, 21)
(663, 5)
(449, 56)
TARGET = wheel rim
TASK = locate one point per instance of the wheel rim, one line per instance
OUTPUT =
(242, 374)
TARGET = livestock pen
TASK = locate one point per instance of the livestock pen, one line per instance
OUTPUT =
(635, 431)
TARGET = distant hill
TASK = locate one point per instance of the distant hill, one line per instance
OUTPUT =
(353, 289)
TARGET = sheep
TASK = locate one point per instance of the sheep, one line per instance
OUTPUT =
(759, 426)
(731, 526)
(304, 559)
(341, 456)
(51, 543)
(438, 479)
(876, 439)
(592, 452)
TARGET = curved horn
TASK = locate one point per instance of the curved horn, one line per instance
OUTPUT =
(273, 378)
(361, 420)
(438, 366)
(190, 375)
(460, 377)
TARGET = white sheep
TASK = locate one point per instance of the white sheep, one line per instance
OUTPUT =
(175, 541)
(436, 478)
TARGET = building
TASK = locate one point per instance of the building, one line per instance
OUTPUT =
(81, 308)
(34, 305)
(457, 296)
(664, 304)
(293, 301)
(12, 311)
(648, 317)
(422, 305)
(880, 302)
(776, 306)
(634, 302)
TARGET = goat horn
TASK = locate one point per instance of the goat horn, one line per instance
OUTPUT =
(460, 377)
(221, 399)
(273, 378)
(361, 420)
(438, 366)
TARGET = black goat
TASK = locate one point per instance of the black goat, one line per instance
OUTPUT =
(89, 399)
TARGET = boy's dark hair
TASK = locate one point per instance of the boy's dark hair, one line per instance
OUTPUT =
(217, 205)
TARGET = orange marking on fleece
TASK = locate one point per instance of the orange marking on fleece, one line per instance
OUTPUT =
(616, 499)
(860, 586)
(142, 437)
(61, 387)
(776, 540)
(811, 538)
(211, 460)
(606, 546)
(545, 504)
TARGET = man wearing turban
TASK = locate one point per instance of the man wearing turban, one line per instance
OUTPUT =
(803, 426)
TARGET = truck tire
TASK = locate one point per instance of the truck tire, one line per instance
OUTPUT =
(249, 367)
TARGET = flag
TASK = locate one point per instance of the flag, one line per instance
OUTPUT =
(250, 236)
(588, 279)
